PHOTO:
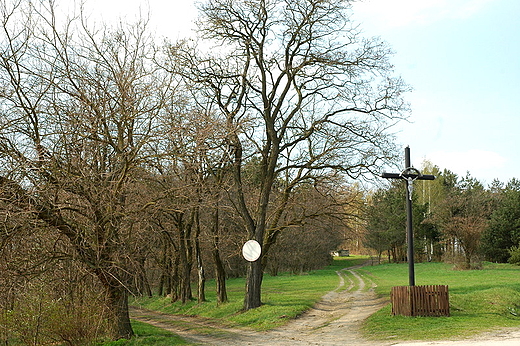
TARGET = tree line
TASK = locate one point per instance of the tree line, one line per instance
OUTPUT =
(130, 165)
(456, 219)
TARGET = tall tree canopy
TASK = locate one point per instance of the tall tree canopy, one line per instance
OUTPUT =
(301, 89)
(79, 108)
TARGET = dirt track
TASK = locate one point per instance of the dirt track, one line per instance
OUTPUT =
(335, 320)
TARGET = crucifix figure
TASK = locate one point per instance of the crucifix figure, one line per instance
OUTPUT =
(409, 174)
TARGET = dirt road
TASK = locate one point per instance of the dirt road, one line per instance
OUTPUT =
(335, 320)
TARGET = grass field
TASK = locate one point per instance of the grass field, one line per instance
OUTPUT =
(480, 300)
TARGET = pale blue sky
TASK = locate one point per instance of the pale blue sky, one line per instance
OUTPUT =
(462, 58)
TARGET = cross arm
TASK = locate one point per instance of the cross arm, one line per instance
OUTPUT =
(408, 175)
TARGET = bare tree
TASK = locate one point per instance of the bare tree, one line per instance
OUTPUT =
(298, 88)
(80, 107)
(315, 222)
(467, 209)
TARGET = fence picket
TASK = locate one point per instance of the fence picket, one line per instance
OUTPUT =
(429, 300)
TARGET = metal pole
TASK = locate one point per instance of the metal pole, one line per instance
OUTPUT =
(409, 229)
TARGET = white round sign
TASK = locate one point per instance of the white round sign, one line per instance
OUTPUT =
(251, 250)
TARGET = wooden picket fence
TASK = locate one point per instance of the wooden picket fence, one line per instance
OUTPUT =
(429, 300)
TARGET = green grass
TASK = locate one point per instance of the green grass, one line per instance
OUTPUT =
(480, 300)
(284, 297)
(148, 335)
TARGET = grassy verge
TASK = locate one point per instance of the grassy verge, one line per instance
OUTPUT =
(284, 297)
(148, 335)
(480, 300)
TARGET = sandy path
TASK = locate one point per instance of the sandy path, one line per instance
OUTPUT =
(335, 320)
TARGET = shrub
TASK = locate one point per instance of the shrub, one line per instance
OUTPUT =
(514, 252)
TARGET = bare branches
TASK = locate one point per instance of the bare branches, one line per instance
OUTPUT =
(300, 90)
(108, 138)
(81, 109)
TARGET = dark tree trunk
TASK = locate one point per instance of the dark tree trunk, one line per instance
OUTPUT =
(165, 272)
(147, 289)
(220, 272)
(174, 278)
(185, 261)
(220, 277)
(169, 265)
(467, 258)
(142, 283)
(160, 288)
(253, 285)
(185, 294)
(201, 295)
(468, 262)
(168, 284)
(118, 304)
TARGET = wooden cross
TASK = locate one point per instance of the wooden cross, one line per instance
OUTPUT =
(409, 174)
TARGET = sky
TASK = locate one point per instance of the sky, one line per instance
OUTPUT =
(461, 58)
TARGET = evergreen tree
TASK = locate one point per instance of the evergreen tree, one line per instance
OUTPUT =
(503, 231)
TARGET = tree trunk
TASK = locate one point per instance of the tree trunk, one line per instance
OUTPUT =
(118, 305)
(201, 296)
(169, 284)
(185, 261)
(467, 257)
(253, 285)
(220, 277)
(165, 272)
(142, 285)
(174, 278)
(185, 294)
(162, 280)
(220, 272)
